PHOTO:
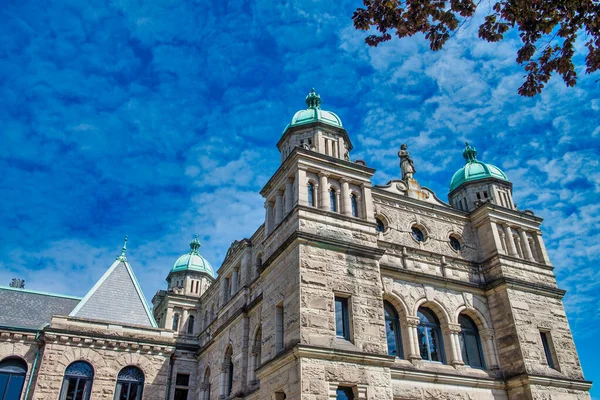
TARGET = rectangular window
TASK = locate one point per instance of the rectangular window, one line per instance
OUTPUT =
(181, 394)
(342, 320)
(182, 379)
(546, 343)
(344, 393)
(279, 328)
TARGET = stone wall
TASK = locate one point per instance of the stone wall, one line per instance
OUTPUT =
(22, 345)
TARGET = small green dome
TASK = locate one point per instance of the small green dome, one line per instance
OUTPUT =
(314, 113)
(475, 170)
(193, 261)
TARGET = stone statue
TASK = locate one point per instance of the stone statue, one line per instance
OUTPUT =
(406, 163)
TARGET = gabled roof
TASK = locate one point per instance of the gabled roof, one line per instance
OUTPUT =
(22, 308)
(116, 297)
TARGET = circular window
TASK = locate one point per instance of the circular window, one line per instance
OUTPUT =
(380, 225)
(417, 234)
(455, 243)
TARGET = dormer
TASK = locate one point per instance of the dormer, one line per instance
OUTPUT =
(317, 130)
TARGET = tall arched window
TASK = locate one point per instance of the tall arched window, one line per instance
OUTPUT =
(205, 322)
(470, 343)
(77, 383)
(190, 327)
(206, 384)
(130, 384)
(175, 326)
(332, 200)
(354, 205)
(311, 194)
(392, 330)
(227, 373)
(256, 354)
(430, 336)
(12, 378)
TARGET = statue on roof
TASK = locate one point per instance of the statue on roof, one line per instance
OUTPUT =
(407, 165)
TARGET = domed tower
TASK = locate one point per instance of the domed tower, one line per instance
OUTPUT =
(477, 183)
(317, 130)
(191, 274)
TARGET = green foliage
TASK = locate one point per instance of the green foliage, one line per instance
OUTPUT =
(547, 28)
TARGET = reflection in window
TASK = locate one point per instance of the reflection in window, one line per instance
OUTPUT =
(380, 225)
(130, 384)
(392, 330)
(430, 336)
(77, 383)
(175, 326)
(344, 393)
(190, 328)
(342, 322)
(332, 200)
(454, 242)
(12, 378)
(417, 234)
(311, 195)
(354, 204)
(470, 344)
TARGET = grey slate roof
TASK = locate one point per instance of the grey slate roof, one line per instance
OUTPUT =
(21, 308)
(116, 297)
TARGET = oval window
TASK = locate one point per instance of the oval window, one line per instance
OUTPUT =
(455, 243)
(417, 234)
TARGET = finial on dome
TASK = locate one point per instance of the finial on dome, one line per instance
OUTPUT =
(123, 250)
(195, 245)
(469, 153)
(313, 100)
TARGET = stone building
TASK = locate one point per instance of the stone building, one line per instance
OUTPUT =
(348, 290)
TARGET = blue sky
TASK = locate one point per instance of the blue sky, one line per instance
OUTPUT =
(159, 120)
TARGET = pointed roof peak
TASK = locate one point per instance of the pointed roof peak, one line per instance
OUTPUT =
(123, 251)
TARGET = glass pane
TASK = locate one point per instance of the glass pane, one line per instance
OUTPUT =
(122, 389)
(182, 380)
(463, 349)
(466, 323)
(472, 347)
(422, 336)
(344, 394)
(72, 388)
(380, 225)
(80, 368)
(80, 391)
(3, 381)
(311, 195)
(181, 394)
(340, 317)
(434, 344)
(133, 391)
(354, 206)
(391, 338)
(332, 204)
(15, 385)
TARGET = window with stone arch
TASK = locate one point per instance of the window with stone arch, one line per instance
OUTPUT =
(190, 325)
(227, 373)
(175, 326)
(77, 381)
(429, 335)
(332, 200)
(12, 378)
(470, 342)
(311, 194)
(392, 330)
(205, 386)
(130, 384)
(258, 264)
(256, 355)
(354, 204)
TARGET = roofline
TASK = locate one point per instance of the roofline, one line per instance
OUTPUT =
(40, 292)
(104, 278)
(478, 180)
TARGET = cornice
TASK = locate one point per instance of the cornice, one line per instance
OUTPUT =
(530, 379)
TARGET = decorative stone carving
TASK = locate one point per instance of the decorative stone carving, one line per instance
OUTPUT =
(407, 165)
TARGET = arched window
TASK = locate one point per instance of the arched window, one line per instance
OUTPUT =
(380, 225)
(311, 194)
(206, 384)
(130, 384)
(470, 343)
(354, 204)
(77, 383)
(175, 326)
(256, 354)
(227, 373)
(190, 327)
(12, 378)
(392, 330)
(417, 234)
(332, 200)
(430, 336)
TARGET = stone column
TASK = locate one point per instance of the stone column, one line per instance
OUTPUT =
(289, 195)
(246, 273)
(338, 203)
(278, 207)
(301, 193)
(323, 188)
(346, 206)
(168, 323)
(268, 217)
(452, 331)
(489, 350)
(542, 248)
(234, 282)
(510, 241)
(367, 202)
(413, 338)
(525, 245)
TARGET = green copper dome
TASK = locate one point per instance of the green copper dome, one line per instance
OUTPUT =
(475, 170)
(314, 113)
(193, 261)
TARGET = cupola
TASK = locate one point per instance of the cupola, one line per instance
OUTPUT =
(191, 274)
(477, 182)
(316, 130)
